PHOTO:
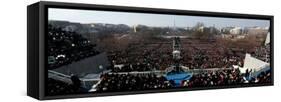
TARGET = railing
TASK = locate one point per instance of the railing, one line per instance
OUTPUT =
(89, 82)
(162, 72)
(86, 83)
(143, 72)
(59, 76)
(196, 71)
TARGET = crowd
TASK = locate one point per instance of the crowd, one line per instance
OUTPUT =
(130, 82)
(200, 54)
(65, 47)
(263, 77)
(56, 87)
(262, 53)
(205, 59)
(157, 55)
(215, 78)
(142, 57)
(114, 82)
(225, 78)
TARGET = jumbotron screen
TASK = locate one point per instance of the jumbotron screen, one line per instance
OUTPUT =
(96, 51)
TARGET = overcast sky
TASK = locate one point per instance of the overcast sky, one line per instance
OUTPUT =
(163, 20)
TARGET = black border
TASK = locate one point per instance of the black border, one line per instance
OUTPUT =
(43, 24)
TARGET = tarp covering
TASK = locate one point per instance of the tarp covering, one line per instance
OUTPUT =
(253, 63)
(267, 40)
(178, 77)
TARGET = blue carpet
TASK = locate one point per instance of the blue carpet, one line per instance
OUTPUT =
(178, 77)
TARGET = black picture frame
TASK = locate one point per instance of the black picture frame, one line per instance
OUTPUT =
(37, 22)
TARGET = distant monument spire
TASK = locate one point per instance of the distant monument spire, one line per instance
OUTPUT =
(135, 28)
(174, 24)
(174, 27)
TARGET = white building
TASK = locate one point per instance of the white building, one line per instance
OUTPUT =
(236, 30)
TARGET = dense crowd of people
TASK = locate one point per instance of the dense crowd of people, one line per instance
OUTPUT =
(157, 55)
(129, 82)
(134, 82)
(215, 78)
(142, 57)
(263, 77)
(203, 54)
(262, 53)
(65, 47)
(114, 82)
(56, 87)
(227, 77)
